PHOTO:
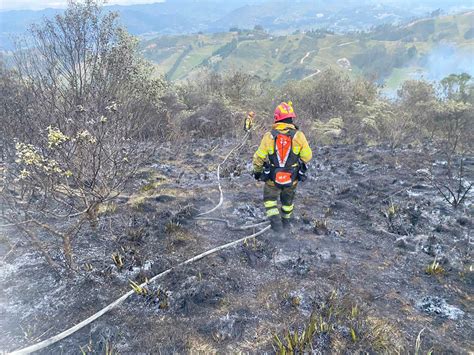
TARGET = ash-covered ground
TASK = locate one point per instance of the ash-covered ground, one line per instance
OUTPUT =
(368, 226)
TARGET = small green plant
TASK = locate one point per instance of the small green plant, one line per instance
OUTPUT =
(251, 243)
(139, 290)
(300, 342)
(118, 260)
(109, 348)
(355, 311)
(173, 227)
(86, 349)
(148, 187)
(391, 213)
(29, 331)
(89, 348)
(392, 210)
(418, 344)
(136, 233)
(321, 226)
(353, 335)
(434, 268)
(163, 300)
(295, 301)
(328, 212)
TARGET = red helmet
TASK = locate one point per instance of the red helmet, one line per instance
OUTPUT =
(284, 110)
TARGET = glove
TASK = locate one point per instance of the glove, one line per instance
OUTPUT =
(302, 176)
(302, 172)
(257, 175)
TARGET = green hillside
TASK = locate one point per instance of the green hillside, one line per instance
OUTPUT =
(388, 53)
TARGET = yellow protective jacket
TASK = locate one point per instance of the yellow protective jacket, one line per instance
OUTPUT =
(267, 146)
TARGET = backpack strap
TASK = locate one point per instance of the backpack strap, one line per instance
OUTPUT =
(291, 133)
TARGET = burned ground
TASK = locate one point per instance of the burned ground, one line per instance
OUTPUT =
(368, 226)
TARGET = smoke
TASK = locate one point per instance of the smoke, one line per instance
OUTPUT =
(440, 62)
(447, 59)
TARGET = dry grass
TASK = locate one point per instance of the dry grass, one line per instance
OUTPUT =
(199, 345)
(434, 268)
(107, 208)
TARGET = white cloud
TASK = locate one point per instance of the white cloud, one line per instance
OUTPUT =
(42, 4)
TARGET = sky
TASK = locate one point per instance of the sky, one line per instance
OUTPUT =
(42, 4)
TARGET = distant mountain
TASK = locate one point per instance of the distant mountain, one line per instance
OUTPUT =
(175, 16)
(431, 48)
(334, 15)
(191, 16)
(170, 17)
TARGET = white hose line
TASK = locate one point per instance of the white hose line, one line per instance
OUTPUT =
(43, 344)
(221, 193)
(231, 227)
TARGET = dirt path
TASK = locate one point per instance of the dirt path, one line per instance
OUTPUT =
(311, 75)
(346, 43)
(338, 45)
(306, 56)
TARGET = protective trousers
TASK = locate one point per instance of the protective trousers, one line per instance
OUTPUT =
(270, 200)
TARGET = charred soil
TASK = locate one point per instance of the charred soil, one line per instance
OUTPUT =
(368, 227)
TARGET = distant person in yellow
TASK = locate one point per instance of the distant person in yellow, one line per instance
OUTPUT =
(280, 161)
(249, 121)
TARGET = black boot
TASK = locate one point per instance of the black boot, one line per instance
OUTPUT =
(286, 223)
(275, 222)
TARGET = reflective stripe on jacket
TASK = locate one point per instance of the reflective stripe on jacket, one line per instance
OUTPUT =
(267, 146)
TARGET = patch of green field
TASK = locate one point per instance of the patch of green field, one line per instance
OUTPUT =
(164, 66)
(400, 75)
(194, 59)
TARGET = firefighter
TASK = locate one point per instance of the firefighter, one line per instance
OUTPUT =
(249, 120)
(280, 161)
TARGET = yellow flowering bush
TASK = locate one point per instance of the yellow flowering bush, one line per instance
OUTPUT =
(24, 174)
(86, 136)
(52, 166)
(27, 154)
(56, 137)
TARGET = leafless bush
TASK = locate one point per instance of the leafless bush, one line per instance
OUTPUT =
(212, 104)
(455, 123)
(13, 112)
(380, 122)
(214, 119)
(418, 101)
(453, 187)
(327, 94)
(81, 134)
(237, 87)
